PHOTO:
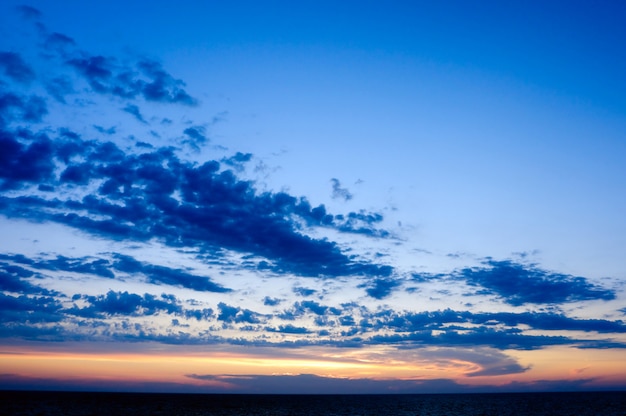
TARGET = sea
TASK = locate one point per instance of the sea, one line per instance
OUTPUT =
(501, 404)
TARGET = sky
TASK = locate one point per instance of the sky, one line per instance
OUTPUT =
(312, 197)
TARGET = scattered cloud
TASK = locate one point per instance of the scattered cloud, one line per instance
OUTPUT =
(134, 193)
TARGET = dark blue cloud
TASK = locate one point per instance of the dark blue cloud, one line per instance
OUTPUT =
(519, 284)
(15, 107)
(98, 72)
(26, 310)
(442, 319)
(124, 303)
(13, 66)
(165, 275)
(548, 321)
(234, 314)
(289, 329)
(146, 79)
(161, 86)
(314, 307)
(381, 288)
(15, 279)
(361, 223)
(78, 174)
(238, 160)
(195, 137)
(23, 163)
(105, 267)
(499, 339)
(271, 301)
(144, 145)
(199, 314)
(81, 265)
(303, 291)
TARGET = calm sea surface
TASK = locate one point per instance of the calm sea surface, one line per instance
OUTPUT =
(519, 404)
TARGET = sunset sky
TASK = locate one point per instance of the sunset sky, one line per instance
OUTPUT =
(313, 197)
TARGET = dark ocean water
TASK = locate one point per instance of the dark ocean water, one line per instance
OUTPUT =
(518, 404)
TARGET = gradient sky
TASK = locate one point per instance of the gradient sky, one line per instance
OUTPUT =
(313, 197)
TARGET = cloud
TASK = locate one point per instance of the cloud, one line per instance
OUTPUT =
(490, 362)
(361, 223)
(233, 314)
(82, 265)
(135, 112)
(14, 279)
(135, 201)
(303, 291)
(339, 192)
(15, 107)
(381, 288)
(98, 70)
(237, 161)
(59, 87)
(196, 137)
(311, 306)
(28, 12)
(267, 301)
(59, 43)
(124, 303)
(110, 131)
(519, 284)
(289, 329)
(14, 67)
(22, 163)
(145, 78)
(20, 312)
(506, 339)
(358, 325)
(161, 86)
(165, 275)
(349, 325)
(549, 321)
(497, 330)
(104, 267)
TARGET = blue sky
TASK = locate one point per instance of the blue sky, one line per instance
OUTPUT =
(400, 198)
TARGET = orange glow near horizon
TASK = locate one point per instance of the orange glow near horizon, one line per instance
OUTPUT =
(175, 366)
